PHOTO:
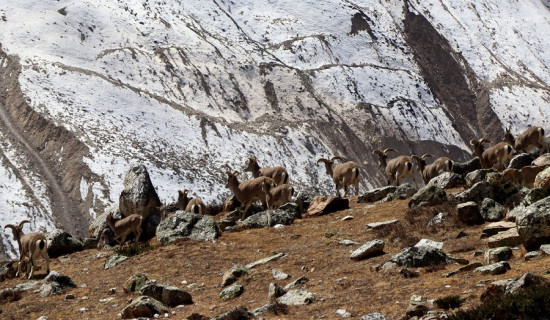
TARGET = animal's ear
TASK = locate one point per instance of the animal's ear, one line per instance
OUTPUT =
(235, 173)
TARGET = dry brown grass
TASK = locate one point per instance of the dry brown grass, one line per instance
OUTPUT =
(309, 252)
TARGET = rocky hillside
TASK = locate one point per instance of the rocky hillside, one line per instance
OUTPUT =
(191, 88)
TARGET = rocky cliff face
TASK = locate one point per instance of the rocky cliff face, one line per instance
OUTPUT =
(192, 88)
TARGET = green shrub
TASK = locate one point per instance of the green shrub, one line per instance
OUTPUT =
(450, 302)
(134, 250)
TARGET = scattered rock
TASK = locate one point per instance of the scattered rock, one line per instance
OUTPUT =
(508, 286)
(542, 180)
(404, 191)
(231, 292)
(498, 254)
(522, 160)
(468, 213)
(62, 243)
(297, 297)
(369, 249)
(496, 227)
(373, 316)
(240, 313)
(279, 216)
(135, 282)
(428, 196)
(493, 269)
(477, 192)
(508, 238)
(56, 283)
(533, 224)
(448, 180)
(279, 275)
(347, 242)
(114, 260)
(70, 297)
(139, 195)
(168, 295)
(322, 205)
(187, 225)
(343, 313)
(235, 272)
(468, 267)
(461, 234)
(438, 219)
(265, 260)
(275, 291)
(531, 255)
(347, 218)
(491, 210)
(545, 248)
(376, 194)
(380, 225)
(430, 244)
(477, 176)
(420, 257)
(144, 306)
(296, 283)
(531, 196)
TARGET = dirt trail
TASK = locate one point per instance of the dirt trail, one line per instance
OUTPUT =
(69, 219)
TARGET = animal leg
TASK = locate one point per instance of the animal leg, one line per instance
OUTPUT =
(357, 188)
(32, 268)
(345, 191)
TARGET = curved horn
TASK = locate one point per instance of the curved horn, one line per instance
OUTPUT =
(427, 155)
(378, 152)
(474, 142)
(483, 140)
(235, 173)
(322, 160)
(336, 158)
(22, 223)
(417, 158)
(11, 226)
(388, 150)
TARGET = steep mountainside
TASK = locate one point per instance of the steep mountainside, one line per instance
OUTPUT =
(192, 88)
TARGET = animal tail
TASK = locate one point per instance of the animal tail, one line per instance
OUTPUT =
(450, 165)
(409, 166)
(196, 209)
(285, 177)
(41, 244)
(356, 173)
(291, 191)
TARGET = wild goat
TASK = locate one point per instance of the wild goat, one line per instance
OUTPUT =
(31, 247)
(248, 191)
(278, 174)
(123, 227)
(196, 206)
(428, 172)
(396, 168)
(497, 156)
(343, 175)
(524, 176)
(534, 136)
(279, 195)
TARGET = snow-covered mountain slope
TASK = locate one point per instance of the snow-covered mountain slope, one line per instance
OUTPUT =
(192, 88)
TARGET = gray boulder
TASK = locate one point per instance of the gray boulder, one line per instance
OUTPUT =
(231, 292)
(369, 249)
(493, 269)
(56, 283)
(533, 224)
(114, 260)
(477, 192)
(187, 225)
(145, 307)
(420, 257)
(235, 272)
(438, 219)
(404, 191)
(507, 238)
(99, 223)
(448, 180)
(531, 196)
(297, 297)
(296, 283)
(376, 194)
(139, 195)
(278, 216)
(496, 227)
(508, 286)
(498, 254)
(322, 205)
(468, 213)
(491, 210)
(464, 168)
(522, 160)
(61, 243)
(135, 282)
(428, 196)
(477, 176)
(373, 316)
(542, 180)
(275, 291)
(168, 295)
